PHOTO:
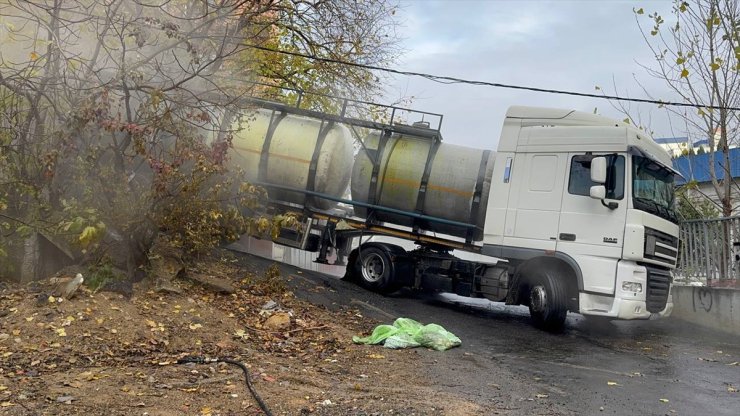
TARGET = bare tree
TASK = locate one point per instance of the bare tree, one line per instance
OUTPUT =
(698, 57)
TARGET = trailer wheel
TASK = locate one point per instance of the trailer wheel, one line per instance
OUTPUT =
(375, 270)
(548, 301)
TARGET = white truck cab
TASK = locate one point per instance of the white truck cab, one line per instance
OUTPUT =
(613, 240)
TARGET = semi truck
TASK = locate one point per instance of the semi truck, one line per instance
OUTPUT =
(572, 212)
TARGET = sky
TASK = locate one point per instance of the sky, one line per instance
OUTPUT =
(563, 45)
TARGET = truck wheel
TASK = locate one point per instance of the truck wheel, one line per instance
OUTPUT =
(547, 301)
(375, 270)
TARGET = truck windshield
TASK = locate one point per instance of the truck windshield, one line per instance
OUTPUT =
(652, 188)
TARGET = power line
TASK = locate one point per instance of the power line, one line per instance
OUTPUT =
(453, 80)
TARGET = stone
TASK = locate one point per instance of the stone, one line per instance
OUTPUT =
(278, 322)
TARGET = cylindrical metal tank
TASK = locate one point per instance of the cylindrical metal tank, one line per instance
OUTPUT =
(427, 177)
(294, 151)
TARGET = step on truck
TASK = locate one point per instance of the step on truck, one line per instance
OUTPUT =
(572, 212)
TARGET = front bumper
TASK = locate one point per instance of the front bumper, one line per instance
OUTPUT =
(619, 308)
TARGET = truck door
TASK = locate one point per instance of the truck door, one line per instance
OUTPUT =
(533, 221)
(590, 232)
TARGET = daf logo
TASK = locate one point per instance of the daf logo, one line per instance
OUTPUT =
(612, 240)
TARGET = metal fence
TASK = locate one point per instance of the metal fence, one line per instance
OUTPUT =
(709, 249)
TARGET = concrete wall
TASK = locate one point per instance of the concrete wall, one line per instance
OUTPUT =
(716, 308)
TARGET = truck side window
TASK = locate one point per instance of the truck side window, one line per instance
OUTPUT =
(580, 176)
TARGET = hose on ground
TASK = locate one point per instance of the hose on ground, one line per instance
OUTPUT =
(204, 360)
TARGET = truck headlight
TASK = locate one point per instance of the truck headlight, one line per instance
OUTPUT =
(632, 287)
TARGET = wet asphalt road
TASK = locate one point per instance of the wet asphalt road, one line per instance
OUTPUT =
(506, 365)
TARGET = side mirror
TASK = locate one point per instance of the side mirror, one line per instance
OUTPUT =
(598, 191)
(598, 171)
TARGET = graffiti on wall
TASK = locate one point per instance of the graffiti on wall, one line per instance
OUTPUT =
(702, 299)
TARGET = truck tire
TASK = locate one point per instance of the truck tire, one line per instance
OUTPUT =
(375, 270)
(548, 301)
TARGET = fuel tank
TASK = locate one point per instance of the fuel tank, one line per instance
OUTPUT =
(424, 176)
(294, 151)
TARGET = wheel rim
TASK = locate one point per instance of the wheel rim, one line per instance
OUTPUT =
(373, 267)
(538, 298)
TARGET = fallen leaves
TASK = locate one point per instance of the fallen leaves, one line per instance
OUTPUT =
(612, 383)
(91, 376)
(663, 400)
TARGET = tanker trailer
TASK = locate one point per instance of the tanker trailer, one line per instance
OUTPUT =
(295, 152)
(424, 176)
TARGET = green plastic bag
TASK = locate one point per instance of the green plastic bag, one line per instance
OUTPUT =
(407, 325)
(378, 336)
(400, 341)
(408, 333)
(435, 337)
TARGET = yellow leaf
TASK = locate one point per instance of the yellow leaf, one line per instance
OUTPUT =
(684, 73)
(61, 332)
(87, 236)
(7, 354)
(34, 56)
(640, 11)
(714, 66)
(3, 388)
(7, 404)
(206, 411)
(612, 383)
(664, 400)
(195, 326)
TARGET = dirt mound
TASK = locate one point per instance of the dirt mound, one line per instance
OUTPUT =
(113, 354)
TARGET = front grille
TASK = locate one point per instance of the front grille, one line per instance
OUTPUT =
(658, 286)
(660, 246)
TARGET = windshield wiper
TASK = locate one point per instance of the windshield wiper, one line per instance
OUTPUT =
(660, 210)
(650, 203)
